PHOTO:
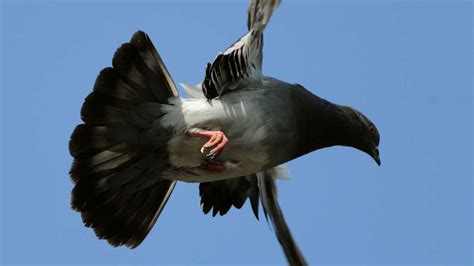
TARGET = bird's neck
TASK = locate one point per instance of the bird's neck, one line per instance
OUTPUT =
(326, 124)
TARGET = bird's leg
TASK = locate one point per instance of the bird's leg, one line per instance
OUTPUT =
(217, 141)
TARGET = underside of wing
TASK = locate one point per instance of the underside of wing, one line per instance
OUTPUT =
(220, 196)
(268, 194)
(241, 62)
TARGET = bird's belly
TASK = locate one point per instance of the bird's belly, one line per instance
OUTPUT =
(243, 155)
(252, 122)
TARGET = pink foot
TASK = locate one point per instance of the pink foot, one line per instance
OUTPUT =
(217, 141)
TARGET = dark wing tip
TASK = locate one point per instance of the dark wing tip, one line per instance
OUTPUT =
(220, 196)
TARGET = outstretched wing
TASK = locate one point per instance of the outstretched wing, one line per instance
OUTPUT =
(219, 196)
(268, 194)
(241, 62)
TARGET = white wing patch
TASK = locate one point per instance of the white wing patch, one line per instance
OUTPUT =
(193, 92)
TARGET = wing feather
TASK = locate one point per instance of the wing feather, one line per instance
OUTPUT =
(242, 61)
(219, 196)
(272, 209)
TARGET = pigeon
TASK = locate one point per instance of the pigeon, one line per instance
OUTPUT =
(232, 134)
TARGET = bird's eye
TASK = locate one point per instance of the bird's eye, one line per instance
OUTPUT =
(372, 130)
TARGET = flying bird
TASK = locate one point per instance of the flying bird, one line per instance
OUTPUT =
(231, 135)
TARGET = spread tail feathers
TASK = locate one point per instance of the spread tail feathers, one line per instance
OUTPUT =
(117, 157)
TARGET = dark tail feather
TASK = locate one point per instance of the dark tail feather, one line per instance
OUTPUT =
(116, 169)
(123, 215)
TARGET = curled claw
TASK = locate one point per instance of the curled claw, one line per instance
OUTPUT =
(214, 140)
(222, 143)
(217, 141)
(210, 155)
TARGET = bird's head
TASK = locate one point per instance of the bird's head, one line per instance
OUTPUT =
(363, 134)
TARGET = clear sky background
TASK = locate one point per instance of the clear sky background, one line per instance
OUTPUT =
(406, 64)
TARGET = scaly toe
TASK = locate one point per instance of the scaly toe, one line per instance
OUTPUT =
(215, 144)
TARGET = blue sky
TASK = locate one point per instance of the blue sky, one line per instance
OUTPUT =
(406, 64)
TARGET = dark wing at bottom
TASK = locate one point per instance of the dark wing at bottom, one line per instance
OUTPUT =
(220, 196)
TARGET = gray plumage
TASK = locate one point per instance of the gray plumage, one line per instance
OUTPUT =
(118, 189)
(139, 138)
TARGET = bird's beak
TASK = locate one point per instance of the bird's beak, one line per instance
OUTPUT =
(375, 155)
